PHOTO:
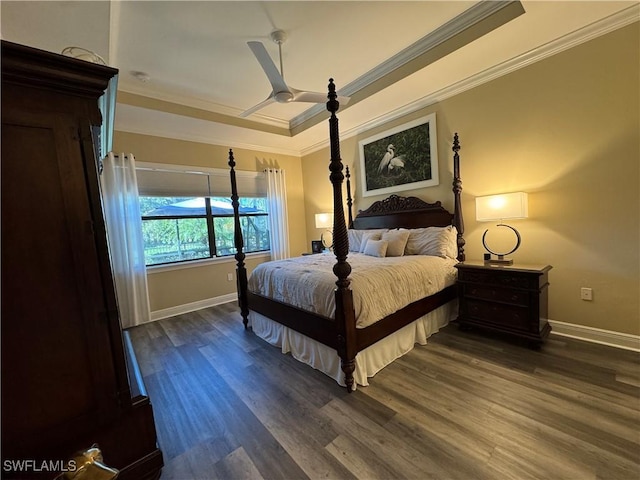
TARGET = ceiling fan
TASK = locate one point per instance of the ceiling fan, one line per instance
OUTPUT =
(281, 93)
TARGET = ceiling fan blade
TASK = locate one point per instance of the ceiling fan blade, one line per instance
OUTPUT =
(269, 100)
(311, 97)
(315, 97)
(270, 69)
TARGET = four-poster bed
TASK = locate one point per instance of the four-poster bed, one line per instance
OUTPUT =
(314, 330)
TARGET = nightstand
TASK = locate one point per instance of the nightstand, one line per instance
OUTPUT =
(509, 299)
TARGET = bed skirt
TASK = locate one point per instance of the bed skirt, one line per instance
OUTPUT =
(370, 360)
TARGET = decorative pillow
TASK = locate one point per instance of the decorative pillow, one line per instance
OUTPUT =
(397, 240)
(369, 235)
(355, 238)
(434, 241)
(376, 248)
(452, 243)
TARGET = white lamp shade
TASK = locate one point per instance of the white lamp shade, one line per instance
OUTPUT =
(505, 206)
(324, 220)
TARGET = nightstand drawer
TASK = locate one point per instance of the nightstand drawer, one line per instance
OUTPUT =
(497, 294)
(512, 317)
(497, 277)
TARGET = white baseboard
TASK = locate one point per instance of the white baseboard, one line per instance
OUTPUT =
(588, 334)
(596, 335)
(193, 306)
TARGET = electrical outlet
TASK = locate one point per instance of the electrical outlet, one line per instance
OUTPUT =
(230, 277)
(586, 294)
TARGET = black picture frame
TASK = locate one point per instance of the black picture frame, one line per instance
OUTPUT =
(316, 246)
(403, 158)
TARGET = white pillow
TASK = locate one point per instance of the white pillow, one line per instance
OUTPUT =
(369, 235)
(376, 248)
(397, 241)
(452, 244)
(434, 241)
(355, 239)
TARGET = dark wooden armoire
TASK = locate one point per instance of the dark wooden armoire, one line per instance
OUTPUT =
(69, 376)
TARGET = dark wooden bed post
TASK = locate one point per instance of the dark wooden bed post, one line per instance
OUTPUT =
(349, 199)
(241, 271)
(458, 221)
(345, 314)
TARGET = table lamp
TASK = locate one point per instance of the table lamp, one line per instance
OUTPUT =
(504, 206)
(325, 220)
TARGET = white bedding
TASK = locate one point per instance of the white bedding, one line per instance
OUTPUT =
(381, 286)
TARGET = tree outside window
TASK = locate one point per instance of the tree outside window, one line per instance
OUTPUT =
(178, 229)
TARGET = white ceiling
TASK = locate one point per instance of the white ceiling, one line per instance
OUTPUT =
(196, 55)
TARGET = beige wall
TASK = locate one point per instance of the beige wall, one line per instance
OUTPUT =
(187, 285)
(565, 130)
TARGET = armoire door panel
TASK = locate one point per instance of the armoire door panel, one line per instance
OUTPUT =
(50, 283)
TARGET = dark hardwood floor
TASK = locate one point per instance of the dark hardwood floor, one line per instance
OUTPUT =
(466, 406)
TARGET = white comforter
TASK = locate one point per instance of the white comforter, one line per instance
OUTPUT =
(381, 286)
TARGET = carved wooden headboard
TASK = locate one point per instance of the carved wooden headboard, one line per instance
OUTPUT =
(403, 212)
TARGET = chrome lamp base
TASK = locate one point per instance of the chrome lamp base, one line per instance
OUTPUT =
(499, 261)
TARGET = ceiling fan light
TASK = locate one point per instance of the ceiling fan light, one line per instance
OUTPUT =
(283, 97)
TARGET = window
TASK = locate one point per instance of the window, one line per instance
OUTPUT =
(187, 212)
(178, 229)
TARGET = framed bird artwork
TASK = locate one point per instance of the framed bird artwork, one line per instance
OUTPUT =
(403, 158)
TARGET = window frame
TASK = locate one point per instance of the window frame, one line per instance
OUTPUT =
(209, 217)
(217, 175)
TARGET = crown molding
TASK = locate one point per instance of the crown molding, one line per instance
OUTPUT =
(602, 27)
(129, 87)
(208, 140)
(442, 34)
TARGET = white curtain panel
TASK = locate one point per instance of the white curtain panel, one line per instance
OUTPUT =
(278, 217)
(124, 235)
